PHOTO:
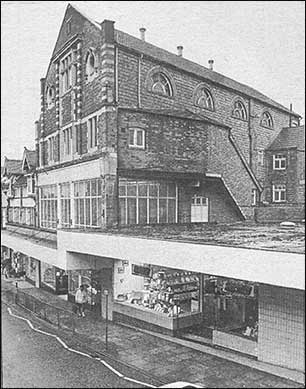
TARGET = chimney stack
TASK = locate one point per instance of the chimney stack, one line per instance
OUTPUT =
(142, 33)
(211, 64)
(180, 51)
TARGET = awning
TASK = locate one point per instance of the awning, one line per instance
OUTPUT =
(262, 266)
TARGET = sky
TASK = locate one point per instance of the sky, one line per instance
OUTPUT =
(258, 43)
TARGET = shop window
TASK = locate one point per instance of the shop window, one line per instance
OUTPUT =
(92, 125)
(136, 138)
(279, 162)
(279, 193)
(266, 120)
(48, 275)
(203, 98)
(48, 206)
(88, 203)
(239, 110)
(144, 202)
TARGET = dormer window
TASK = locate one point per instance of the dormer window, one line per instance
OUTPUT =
(91, 65)
(50, 96)
(239, 110)
(266, 120)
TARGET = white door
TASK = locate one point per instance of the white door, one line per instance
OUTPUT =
(199, 209)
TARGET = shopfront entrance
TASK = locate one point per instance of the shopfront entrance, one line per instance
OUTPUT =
(199, 209)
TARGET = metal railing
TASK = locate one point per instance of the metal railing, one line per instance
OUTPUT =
(60, 317)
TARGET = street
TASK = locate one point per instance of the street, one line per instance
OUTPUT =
(34, 360)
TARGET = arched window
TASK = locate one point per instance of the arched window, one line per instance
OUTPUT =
(239, 110)
(91, 65)
(161, 84)
(266, 120)
(203, 99)
(50, 96)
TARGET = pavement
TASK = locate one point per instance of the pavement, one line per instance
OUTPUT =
(168, 359)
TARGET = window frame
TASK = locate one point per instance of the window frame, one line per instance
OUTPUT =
(91, 71)
(279, 189)
(199, 93)
(277, 160)
(266, 116)
(260, 157)
(134, 145)
(241, 109)
(92, 132)
(67, 68)
(254, 197)
(67, 141)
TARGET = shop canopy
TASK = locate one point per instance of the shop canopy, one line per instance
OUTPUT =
(263, 266)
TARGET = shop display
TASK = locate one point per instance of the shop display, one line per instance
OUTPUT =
(168, 293)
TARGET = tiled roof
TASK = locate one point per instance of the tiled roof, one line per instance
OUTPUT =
(182, 63)
(289, 137)
(21, 181)
(31, 157)
(13, 166)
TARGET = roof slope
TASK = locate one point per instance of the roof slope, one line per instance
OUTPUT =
(189, 66)
(289, 137)
(163, 55)
(30, 156)
(13, 166)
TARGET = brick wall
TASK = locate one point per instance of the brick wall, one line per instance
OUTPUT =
(279, 213)
(185, 85)
(281, 326)
(172, 144)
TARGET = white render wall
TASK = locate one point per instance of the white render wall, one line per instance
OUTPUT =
(281, 332)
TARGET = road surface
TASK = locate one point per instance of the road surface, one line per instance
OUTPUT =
(34, 360)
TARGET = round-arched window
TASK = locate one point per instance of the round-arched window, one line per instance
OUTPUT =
(204, 99)
(266, 120)
(50, 96)
(239, 110)
(91, 66)
(161, 84)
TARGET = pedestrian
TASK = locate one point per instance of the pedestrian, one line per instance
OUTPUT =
(81, 300)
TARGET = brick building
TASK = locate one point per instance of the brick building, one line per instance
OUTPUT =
(130, 134)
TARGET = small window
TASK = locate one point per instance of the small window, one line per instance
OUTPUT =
(254, 196)
(31, 184)
(239, 110)
(204, 99)
(67, 141)
(266, 120)
(279, 162)
(260, 157)
(137, 138)
(161, 84)
(92, 132)
(50, 96)
(279, 193)
(91, 65)
(68, 27)
(66, 73)
(294, 123)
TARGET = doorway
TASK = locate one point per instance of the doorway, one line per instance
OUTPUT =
(199, 209)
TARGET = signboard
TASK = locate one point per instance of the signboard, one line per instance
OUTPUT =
(140, 270)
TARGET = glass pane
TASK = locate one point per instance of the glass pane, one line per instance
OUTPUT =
(87, 212)
(87, 188)
(99, 212)
(153, 211)
(122, 190)
(171, 211)
(93, 187)
(82, 217)
(153, 190)
(163, 211)
(94, 211)
(142, 211)
(142, 190)
(76, 211)
(171, 190)
(82, 189)
(163, 190)
(139, 138)
(131, 204)
(131, 137)
(131, 190)
(122, 210)
(99, 186)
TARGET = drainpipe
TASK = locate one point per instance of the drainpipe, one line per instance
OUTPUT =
(290, 117)
(250, 136)
(117, 169)
(138, 81)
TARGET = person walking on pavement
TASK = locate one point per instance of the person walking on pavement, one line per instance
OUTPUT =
(81, 300)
